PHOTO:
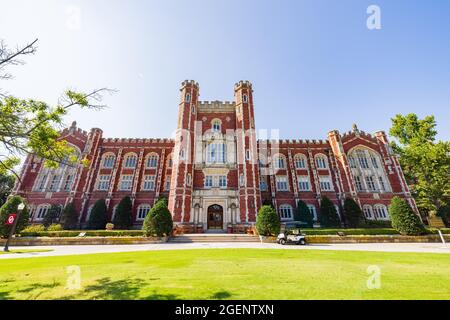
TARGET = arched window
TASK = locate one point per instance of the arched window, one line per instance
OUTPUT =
(152, 161)
(300, 161)
(188, 97)
(381, 212)
(321, 162)
(130, 161)
(142, 211)
(216, 125)
(108, 160)
(368, 212)
(313, 210)
(41, 211)
(286, 212)
(279, 162)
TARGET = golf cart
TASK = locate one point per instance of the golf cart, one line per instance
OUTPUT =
(291, 236)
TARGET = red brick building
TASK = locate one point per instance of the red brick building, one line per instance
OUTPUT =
(216, 173)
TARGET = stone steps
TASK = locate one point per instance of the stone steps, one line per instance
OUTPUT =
(190, 238)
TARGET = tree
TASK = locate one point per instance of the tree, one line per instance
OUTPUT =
(328, 215)
(123, 218)
(403, 218)
(267, 221)
(98, 217)
(353, 213)
(303, 214)
(8, 208)
(425, 161)
(30, 126)
(6, 186)
(158, 222)
(69, 217)
(52, 215)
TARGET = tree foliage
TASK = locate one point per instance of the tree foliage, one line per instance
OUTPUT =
(267, 221)
(6, 186)
(403, 218)
(425, 161)
(31, 126)
(158, 222)
(69, 218)
(123, 217)
(329, 217)
(98, 217)
(303, 214)
(353, 214)
(8, 208)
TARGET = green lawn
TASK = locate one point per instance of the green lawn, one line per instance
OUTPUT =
(229, 274)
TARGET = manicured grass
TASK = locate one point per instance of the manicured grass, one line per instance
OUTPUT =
(229, 274)
(23, 251)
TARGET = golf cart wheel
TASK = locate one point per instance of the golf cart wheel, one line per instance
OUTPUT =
(282, 242)
(302, 242)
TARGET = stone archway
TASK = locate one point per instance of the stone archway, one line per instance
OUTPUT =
(215, 217)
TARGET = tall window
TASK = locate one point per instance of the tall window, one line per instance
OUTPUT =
(382, 185)
(68, 182)
(368, 213)
(300, 162)
(321, 162)
(103, 182)
(374, 161)
(286, 212)
(371, 183)
(142, 211)
(188, 97)
(282, 183)
(381, 211)
(279, 162)
(222, 181)
(208, 182)
(215, 153)
(41, 182)
(167, 184)
(41, 211)
(312, 209)
(352, 162)
(130, 161)
(55, 183)
(216, 126)
(325, 184)
(263, 185)
(245, 98)
(241, 180)
(149, 183)
(358, 183)
(152, 161)
(363, 162)
(126, 182)
(303, 183)
(108, 161)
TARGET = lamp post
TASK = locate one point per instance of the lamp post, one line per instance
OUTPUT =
(20, 208)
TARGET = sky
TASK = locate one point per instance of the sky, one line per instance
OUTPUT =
(314, 64)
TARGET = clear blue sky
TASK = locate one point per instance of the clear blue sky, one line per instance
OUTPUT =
(314, 64)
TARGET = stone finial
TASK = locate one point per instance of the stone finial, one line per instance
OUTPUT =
(355, 128)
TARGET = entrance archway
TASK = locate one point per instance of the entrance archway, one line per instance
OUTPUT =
(215, 217)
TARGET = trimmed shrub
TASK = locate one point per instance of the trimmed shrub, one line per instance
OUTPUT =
(158, 221)
(9, 207)
(328, 215)
(303, 214)
(267, 221)
(34, 228)
(55, 227)
(404, 220)
(353, 214)
(376, 224)
(52, 215)
(123, 218)
(75, 233)
(98, 216)
(69, 218)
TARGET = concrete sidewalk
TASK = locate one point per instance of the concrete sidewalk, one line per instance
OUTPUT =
(89, 249)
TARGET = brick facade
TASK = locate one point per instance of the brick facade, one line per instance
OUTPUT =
(216, 173)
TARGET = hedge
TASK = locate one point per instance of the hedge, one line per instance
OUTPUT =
(88, 233)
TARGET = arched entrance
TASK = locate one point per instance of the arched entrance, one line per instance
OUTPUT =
(215, 217)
